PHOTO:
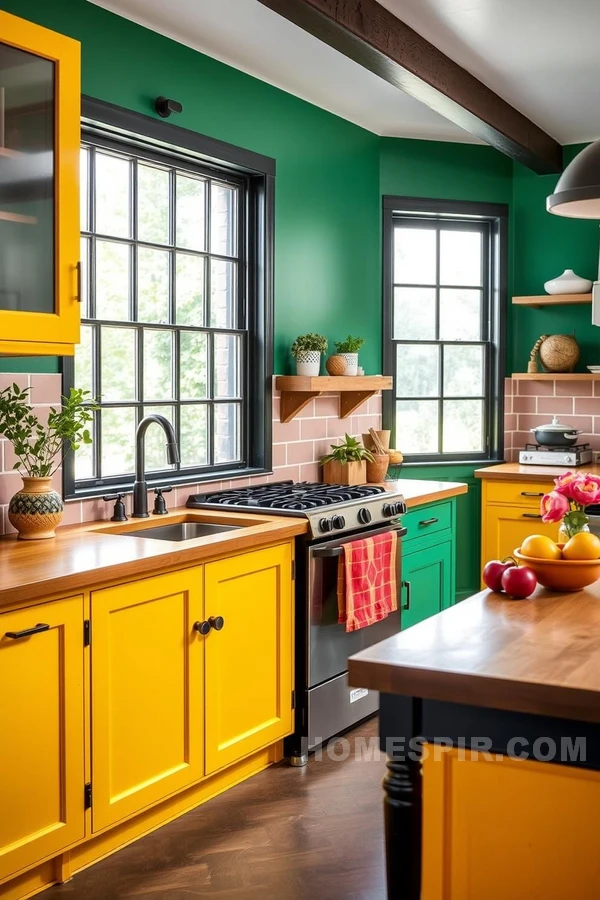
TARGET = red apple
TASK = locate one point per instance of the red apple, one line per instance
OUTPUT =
(519, 582)
(493, 572)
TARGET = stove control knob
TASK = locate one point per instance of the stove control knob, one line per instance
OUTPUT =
(569, 459)
(389, 509)
(364, 516)
(338, 522)
(325, 524)
(400, 508)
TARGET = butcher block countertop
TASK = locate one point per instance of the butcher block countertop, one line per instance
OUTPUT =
(82, 556)
(517, 472)
(539, 656)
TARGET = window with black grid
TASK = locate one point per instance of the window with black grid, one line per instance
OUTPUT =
(165, 325)
(443, 335)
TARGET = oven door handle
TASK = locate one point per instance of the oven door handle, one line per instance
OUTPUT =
(329, 552)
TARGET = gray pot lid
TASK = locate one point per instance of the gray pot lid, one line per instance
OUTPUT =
(556, 426)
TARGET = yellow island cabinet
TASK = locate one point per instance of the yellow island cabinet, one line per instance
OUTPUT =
(130, 702)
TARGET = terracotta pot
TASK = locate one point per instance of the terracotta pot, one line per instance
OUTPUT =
(335, 472)
(384, 437)
(35, 510)
(377, 470)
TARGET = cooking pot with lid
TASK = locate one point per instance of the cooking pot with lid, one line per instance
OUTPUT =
(555, 434)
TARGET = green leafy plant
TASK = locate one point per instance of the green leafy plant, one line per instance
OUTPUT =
(351, 450)
(40, 449)
(312, 342)
(350, 345)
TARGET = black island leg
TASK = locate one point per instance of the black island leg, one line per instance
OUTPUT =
(403, 817)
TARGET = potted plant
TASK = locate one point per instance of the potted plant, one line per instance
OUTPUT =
(349, 350)
(347, 462)
(307, 350)
(37, 509)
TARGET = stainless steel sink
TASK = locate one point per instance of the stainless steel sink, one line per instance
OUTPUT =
(180, 531)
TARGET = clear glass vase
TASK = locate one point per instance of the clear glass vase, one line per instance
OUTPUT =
(565, 533)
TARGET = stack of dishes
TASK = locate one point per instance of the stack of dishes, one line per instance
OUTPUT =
(595, 370)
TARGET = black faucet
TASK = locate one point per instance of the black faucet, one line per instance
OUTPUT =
(140, 488)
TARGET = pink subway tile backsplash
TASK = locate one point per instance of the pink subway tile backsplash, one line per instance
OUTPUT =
(45, 388)
(301, 452)
(527, 404)
(573, 388)
(328, 405)
(537, 388)
(588, 406)
(555, 406)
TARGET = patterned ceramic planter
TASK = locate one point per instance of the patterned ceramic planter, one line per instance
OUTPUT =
(35, 510)
(351, 363)
(308, 362)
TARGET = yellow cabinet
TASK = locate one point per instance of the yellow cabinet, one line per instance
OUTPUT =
(510, 512)
(147, 693)
(497, 828)
(505, 528)
(249, 660)
(42, 732)
(39, 199)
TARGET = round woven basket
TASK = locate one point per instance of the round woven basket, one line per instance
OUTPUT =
(336, 365)
(559, 353)
(377, 470)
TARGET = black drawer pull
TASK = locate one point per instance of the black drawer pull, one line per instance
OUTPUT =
(202, 627)
(531, 515)
(216, 622)
(37, 629)
(532, 494)
(408, 587)
(429, 521)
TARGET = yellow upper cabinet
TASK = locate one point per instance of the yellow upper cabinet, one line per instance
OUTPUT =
(39, 189)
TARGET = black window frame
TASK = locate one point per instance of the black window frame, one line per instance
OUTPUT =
(112, 126)
(461, 212)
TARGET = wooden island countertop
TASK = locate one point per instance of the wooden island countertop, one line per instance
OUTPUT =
(83, 556)
(538, 656)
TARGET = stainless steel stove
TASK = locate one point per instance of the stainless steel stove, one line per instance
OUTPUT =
(337, 514)
(537, 455)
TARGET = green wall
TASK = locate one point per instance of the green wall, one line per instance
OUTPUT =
(327, 190)
(543, 246)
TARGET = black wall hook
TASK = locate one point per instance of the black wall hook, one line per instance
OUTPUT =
(164, 107)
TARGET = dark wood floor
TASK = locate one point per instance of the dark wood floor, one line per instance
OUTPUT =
(286, 834)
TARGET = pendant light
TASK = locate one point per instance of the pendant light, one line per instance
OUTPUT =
(577, 193)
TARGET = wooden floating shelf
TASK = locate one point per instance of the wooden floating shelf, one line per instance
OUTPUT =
(17, 217)
(298, 390)
(556, 376)
(552, 300)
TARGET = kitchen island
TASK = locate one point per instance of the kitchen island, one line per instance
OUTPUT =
(490, 716)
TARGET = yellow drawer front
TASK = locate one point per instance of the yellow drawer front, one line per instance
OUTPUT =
(522, 493)
(505, 528)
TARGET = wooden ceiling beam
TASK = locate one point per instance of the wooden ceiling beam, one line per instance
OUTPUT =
(369, 34)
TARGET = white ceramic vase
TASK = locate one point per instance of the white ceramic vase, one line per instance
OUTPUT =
(568, 283)
(308, 362)
(351, 363)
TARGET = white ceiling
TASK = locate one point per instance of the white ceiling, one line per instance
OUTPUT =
(540, 55)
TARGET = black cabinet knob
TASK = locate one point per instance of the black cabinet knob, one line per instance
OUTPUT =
(325, 524)
(364, 516)
(216, 622)
(202, 627)
(338, 522)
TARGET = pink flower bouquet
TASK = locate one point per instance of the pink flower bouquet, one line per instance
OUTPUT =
(567, 502)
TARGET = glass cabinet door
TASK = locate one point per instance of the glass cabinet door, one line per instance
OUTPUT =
(40, 133)
(26, 181)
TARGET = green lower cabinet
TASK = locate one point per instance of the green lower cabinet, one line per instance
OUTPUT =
(427, 582)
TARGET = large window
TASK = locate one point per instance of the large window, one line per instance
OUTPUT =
(443, 285)
(171, 301)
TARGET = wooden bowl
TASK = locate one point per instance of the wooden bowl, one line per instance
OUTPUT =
(561, 574)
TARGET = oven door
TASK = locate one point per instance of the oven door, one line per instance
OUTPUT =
(329, 645)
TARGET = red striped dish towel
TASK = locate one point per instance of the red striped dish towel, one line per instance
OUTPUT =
(366, 587)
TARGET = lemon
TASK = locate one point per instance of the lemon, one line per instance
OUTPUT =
(583, 545)
(540, 547)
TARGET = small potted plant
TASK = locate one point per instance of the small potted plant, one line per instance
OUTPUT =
(347, 462)
(307, 350)
(37, 509)
(349, 350)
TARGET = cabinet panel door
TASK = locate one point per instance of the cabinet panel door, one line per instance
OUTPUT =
(42, 738)
(39, 173)
(505, 528)
(248, 663)
(426, 583)
(147, 669)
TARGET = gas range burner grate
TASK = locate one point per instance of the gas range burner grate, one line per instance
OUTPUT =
(290, 495)
(574, 448)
